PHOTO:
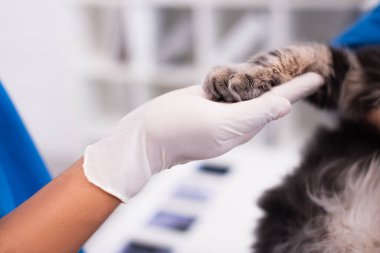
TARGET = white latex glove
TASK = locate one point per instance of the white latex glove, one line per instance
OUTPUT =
(179, 127)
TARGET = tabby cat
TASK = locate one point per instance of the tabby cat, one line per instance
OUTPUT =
(331, 202)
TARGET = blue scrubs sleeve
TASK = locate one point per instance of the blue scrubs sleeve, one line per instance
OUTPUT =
(22, 171)
(365, 32)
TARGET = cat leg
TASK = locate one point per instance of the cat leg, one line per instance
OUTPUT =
(351, 79)
(264, 71)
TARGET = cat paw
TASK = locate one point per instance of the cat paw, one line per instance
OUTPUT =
(237, 83)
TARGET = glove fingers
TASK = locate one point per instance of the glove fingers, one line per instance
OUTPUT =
(299, 87)
(252, 115)
(271, 106)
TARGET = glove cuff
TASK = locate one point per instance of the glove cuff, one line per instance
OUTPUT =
(118, 164)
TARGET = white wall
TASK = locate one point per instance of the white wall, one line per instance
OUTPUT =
(34, 42)
(40, 45)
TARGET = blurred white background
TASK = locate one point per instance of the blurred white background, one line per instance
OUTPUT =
(74, 67)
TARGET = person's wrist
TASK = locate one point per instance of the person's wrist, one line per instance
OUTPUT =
(94, 189)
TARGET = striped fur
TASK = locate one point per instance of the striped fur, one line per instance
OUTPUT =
(331, 202)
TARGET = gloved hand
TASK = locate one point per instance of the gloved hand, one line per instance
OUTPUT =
(179, 127)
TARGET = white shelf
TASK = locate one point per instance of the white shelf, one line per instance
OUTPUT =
(176, 76)
(293, 4)
(116, 73)
(218, 32)
(99, 128)
(325, 4)
(174, 3)
(105, 70)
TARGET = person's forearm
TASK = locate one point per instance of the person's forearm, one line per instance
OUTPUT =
(59, 218)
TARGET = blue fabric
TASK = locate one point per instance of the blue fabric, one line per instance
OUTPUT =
(22, 171)
(365, 32)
